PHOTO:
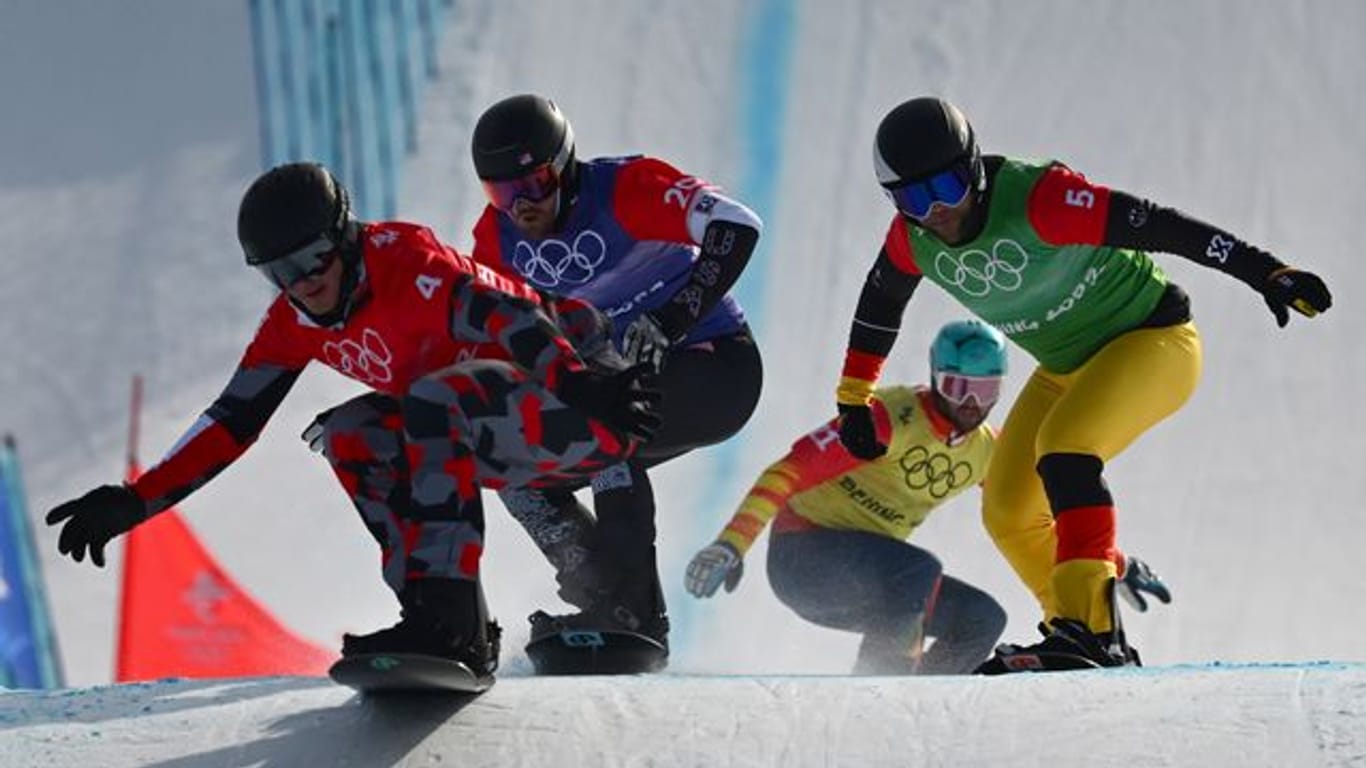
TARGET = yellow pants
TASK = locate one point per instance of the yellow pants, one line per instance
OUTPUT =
(1131, 384)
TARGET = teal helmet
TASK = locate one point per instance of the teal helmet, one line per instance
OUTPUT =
(968, 348)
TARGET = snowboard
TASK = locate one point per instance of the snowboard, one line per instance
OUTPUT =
(1010, 659)
(407, 673)
(556, 649)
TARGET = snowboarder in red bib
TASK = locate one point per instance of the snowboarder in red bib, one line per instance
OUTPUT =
(1060, 265)
(657, 250)
(475, 384)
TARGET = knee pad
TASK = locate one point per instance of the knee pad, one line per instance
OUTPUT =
(1073, 480)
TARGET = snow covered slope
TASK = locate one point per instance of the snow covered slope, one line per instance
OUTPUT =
(129, 134)
(1244, 716)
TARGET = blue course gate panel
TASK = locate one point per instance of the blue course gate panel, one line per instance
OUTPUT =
(28, 649)
(766, 53)
(336, 82)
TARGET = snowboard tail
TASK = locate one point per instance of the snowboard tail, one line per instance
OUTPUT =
(407, 673)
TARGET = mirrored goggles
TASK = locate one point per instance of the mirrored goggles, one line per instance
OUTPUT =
(309, 261)
(535, 186)
(959, 389)
(948, 187)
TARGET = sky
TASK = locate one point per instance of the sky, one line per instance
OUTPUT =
(128, 138)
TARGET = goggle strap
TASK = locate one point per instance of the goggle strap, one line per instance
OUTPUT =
(948, 186)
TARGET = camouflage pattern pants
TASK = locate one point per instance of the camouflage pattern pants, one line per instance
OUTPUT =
(414, 466)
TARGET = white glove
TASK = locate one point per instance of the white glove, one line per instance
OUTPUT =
(714, 564)
(645, 342)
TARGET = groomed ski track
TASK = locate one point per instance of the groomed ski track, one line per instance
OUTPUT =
(1214, 715)
(129, 137)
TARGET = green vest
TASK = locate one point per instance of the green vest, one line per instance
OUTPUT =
(1058, 303)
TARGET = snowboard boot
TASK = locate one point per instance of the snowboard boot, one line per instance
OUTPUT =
(602, 617)
(579, 586)
(1067, 644)
(610, 637)
(632, 607)
(445, 618)
(1106, 649)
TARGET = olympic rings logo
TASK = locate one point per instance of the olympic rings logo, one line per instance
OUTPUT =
(366, 361)
(552, 263)
(976, 272)
(937, 473)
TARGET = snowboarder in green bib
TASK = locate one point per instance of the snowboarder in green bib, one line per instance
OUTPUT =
(1061, 266)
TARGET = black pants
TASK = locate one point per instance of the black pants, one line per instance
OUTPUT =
(893, 593)
(709, 392)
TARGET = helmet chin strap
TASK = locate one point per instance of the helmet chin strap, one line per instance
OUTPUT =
(981, 198)
(567, 194)
(976, 220)
(350, 297)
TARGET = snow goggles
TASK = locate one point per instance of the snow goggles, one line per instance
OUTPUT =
(535, 186)
(948, 187)
(309, 261)
(959, 389)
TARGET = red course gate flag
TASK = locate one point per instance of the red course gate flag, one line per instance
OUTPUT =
(183, 616)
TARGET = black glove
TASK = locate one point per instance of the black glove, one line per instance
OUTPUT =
(858, 433)
(315, 434)
(618, 399)
(94, 519)
(1289, 288)
(646, 341)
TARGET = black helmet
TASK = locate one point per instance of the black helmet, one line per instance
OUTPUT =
(290, 206)
(292, 220)
(921, 137)
(518, 134)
